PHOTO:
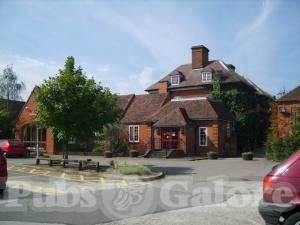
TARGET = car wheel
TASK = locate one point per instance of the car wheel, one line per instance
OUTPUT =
(1, 191)
(293, 219)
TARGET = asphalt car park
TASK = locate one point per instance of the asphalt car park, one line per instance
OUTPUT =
(212, 188)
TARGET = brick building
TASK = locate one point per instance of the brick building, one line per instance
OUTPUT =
(287, 110)
(178, 117)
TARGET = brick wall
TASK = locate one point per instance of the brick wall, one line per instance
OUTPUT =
(144, 137)
(26, 117)
(284, 120)
(163, 87)
(217, 139)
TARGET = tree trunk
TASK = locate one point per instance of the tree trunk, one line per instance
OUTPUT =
(65, 149)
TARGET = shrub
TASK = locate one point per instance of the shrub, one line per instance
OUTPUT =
(113, 164)
(113, 142)
(280, 148)
(212, 155)
(98, 148)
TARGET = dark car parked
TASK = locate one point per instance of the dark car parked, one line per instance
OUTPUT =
(3, 172)
(12, 147)
(281, 193)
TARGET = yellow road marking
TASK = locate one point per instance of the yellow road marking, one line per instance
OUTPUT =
(102, 180)
(81, 178)
(46, 173)
(124, 183)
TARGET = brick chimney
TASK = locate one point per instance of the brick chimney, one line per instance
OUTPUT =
(199, 56)
(163, 87)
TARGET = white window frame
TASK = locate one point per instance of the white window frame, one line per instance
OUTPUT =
(175, 78)
(206, 139)
(206, 76)
(135, 136)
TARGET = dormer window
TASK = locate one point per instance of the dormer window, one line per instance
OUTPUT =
(175, 79)
(206, 76)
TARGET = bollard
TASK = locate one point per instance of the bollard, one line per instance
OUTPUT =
(37, 161)
(50, 162)
(64, 163)
(80, 165)
(98, 167)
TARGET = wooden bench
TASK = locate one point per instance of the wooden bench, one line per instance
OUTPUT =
(81, 164)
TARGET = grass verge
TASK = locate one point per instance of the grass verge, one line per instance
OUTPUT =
(139, 170)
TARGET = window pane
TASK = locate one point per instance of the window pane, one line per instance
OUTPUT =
(136, 133)
(130, 133)
(175, 79)
(203, 137)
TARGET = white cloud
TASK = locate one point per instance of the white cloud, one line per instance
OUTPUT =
(135, 83)
(104, 68)
(29, 70)
(265, 12)
(166, 36)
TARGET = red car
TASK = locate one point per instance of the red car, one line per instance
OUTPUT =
(3, 172)
(281, 193)
(12, 147)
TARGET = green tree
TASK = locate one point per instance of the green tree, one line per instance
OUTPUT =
(75, 106)
(5, 124)
(10, 87)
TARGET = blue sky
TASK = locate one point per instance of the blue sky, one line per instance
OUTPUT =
(127, 45)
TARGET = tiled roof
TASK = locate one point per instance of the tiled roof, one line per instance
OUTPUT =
(204, 109)
(142, 107)
(192, 77)
(293, 95)
(176, 118)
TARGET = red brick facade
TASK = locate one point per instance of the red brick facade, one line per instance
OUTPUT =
(26, 118)
(286, 115)
(178, 110)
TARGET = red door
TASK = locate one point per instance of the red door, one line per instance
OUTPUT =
(170, 138)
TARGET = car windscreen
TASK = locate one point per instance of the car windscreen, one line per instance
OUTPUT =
(15, 142)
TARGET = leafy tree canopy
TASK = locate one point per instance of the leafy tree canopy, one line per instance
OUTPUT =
(10, 87)
(5, 124)
(74, 105)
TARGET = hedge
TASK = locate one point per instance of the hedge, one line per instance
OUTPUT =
(280, 148)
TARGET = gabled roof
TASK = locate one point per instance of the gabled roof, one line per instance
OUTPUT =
(293, 95)
(23, 107)
(175, 118)
(193, 78)
(142, 107)
(203, 109)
